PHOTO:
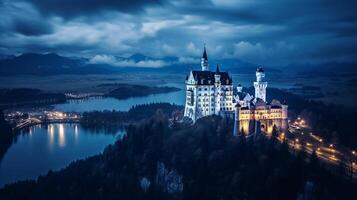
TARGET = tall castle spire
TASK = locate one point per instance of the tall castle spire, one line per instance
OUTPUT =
(204, 60)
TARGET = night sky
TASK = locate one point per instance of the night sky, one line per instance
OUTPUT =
(259, 31)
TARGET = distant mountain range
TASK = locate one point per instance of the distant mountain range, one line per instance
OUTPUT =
(47, 64)
(53, 64)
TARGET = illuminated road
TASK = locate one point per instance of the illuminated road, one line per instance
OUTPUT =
(301, 138)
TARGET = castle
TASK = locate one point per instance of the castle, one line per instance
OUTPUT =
(251, 110)
(211, 92)
(208, 92)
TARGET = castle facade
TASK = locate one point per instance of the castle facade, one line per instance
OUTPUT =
(208, 92)
(252, 110)
(211, 92)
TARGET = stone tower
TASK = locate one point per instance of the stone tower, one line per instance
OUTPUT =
(260, 85)
(236, 130)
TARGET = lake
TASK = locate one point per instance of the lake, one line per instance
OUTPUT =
(99, 103)
(52, 146)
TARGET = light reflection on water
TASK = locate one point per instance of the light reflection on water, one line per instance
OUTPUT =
(50, 147)
(51, 133)
(62, 136)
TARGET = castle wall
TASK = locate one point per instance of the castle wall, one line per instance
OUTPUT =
(204, 100)
(267, 118)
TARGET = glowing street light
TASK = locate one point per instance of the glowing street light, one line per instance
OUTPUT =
(331, 145)
(320, 140)
(354, 152)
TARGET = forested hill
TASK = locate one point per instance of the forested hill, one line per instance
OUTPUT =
(25, 96)
(204, 161)
(124, 91)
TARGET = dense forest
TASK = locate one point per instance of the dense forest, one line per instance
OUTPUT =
(113, 120)
(156, 160)
(124, 91)
(22, 96)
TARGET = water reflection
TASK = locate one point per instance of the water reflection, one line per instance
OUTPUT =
(76, 133)
(51, 147)
(62, 136)
(50, 131)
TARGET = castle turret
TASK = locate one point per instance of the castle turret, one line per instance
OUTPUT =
(217, 75)
(236, 130)
(260, 85)
(217, 92)
(204, 60)
(239, 88)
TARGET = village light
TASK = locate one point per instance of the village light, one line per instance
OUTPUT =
(353, 152)
(282, 136)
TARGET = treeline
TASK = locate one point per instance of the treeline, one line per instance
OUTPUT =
(124, 91)
(135, 114)
(21, 96)
(333, 122)
(205, 158)
(6, 136)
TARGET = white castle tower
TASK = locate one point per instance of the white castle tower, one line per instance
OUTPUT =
(204, 60)
(260, 85)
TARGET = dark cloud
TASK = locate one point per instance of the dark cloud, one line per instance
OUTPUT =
(32, 28)
(20, 18)
(70, 8)
(279, 31)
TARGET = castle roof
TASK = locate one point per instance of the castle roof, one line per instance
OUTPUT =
(207, 77)
(241, 95)
(204, 56)
(259, 104)
(260, 69)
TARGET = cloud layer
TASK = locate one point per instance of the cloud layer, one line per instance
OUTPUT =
(259, 31)
(112, 60)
